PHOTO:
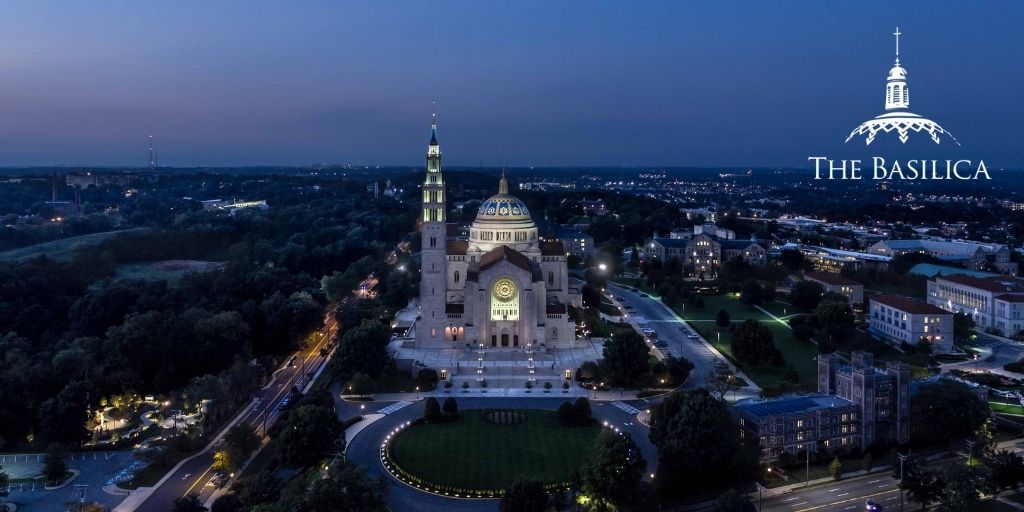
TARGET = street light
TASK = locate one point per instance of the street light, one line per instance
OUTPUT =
(759, 500)
(417, 392)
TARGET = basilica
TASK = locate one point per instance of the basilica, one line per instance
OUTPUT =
(503, 288)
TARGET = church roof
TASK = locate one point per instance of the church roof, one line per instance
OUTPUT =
(552, 248)
(457, 247)
(555, 309)
(504, 252)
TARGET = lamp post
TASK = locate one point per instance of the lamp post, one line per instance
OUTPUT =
(759, 499)
(417, 392)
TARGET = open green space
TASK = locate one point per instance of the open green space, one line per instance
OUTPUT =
(800, 354)
(397, 381)
(171, 270)
(1006, 408)
(62, 250)
(473, 453)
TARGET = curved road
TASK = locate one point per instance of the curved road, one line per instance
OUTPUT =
(364, 447)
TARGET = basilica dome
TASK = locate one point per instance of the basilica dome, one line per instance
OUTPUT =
(503, 219)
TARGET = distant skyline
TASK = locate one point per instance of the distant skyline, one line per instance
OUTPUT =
(529, 83)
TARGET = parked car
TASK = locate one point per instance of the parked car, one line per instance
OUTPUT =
(693, 336)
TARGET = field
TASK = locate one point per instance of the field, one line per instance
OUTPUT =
(474, 453)
(169, 270)
(62, 250)
(800, 354)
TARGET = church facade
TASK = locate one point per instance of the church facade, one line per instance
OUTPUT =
(503, 288)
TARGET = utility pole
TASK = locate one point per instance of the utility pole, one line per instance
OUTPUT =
(807, 475)
(902, 458)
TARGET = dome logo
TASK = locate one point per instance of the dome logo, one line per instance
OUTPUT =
(899, 121)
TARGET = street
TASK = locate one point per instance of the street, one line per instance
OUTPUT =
(652, 313)
(196, 474)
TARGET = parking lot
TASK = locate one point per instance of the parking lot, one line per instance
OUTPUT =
(96, 469)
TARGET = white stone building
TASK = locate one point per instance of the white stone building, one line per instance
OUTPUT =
(503, 288)
(902, 319)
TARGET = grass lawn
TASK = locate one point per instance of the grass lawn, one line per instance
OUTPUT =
(800, 354)
(395, 381)
(61, 250)
(1006, 408)
(474, 453)
(171, 271)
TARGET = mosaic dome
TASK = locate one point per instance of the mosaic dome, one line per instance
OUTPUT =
(503, 207)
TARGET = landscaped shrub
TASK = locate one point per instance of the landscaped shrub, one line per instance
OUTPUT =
(451, 408)
(431, 410)
(566, 413)
(427, 378)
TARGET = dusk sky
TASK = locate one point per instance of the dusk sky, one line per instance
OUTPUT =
(517, 83)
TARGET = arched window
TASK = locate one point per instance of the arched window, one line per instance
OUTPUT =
(551, 278)
(456, 276)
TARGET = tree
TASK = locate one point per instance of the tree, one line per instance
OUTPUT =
(793, 260)
(614, 473)
(964, 486)
(751, 292)
(1007, 470)
(4, 488)
(836, 317)
(867, 462)
(722, 318)
(835, 468)
(363, 349)
(753, 342)
(228, 503)
(524, 495)
(963, 326)
(678, 369)
(189, 503)
(54, 465)
(698, 446)
(359, 384)
(625, 360)
(451, 407)
(923, 485)
(343, 487)
(720, 381)
(945, 410)
(240, 441)
(806, 295)
(581, 411)
(431, 410)
(566, 413)
(308, 436)
(733, 501)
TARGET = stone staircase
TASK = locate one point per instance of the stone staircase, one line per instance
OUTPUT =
(507, 369)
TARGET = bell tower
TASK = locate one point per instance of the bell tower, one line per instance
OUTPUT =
(433, 243)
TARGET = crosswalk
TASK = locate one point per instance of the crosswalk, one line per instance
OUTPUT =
(626, 407)
(394, 407)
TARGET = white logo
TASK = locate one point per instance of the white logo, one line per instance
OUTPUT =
(897, 117)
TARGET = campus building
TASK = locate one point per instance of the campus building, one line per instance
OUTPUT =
(836, 283)
(705, 250)
(972, 255)
(856, 405)
(996, 303)
(904, 320)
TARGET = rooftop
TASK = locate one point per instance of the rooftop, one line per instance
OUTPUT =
(789, 405)
(831, 279)
(908, 305)
(996, 284)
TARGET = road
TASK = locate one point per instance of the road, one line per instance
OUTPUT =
(363, 448)
(993, 353)
(196, 475)
(844, 495)
(670, 328)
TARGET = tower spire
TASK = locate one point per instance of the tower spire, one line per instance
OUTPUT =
(503, 184)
